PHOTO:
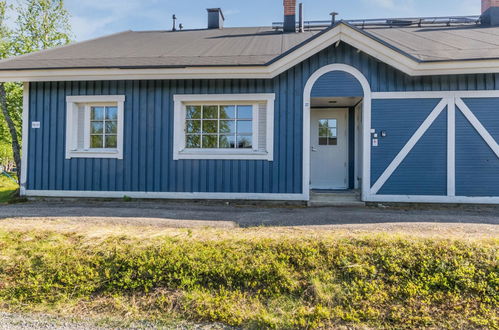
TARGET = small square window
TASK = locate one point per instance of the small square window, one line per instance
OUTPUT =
(328, 132)
(210, 112)
(193, 112)
(94, 125)
(228, 112)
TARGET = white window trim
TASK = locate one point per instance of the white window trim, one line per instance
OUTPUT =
(179, 150)
(72, 103)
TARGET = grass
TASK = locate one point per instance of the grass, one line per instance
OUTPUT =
(7, 189)
(253, 278)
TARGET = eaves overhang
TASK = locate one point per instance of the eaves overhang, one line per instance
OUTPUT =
(342, 32)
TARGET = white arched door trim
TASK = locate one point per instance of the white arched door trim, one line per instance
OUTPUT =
(366, 122)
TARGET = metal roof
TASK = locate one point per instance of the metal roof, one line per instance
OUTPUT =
(130, 49)
(251, 46)
(470, 42)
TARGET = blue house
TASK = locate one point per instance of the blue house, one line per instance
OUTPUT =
(402, 110)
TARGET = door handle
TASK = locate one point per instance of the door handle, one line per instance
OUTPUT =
(313, 149)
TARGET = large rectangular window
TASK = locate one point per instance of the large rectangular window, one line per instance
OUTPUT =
(219, 126)
(224, 126)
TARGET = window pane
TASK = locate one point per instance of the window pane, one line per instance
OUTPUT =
(193, 112)
(323, 131)
(332, 141)
(111, 141)
(193, 126)
(227, 141)
(323, 124)
(210, 126)
(332, 123)
(210, 141)
(227, 126)
(245, 127)
(332, 132)
(193, 141)
(210, 112)
(227, 112)
(96, 127)
(96, 141)
(111, 127)
(244, 142)
(245, 112)
(97, 113)
(111, 113)
(323, 141)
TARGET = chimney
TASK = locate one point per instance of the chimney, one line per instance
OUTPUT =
(215, 18)
(490, 12)
(289, 15)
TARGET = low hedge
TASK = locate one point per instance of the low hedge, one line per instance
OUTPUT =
(381, 281)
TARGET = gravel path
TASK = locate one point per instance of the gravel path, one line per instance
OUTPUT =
(189, 214)
(11, 321)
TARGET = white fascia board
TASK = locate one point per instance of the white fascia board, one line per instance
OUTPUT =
(431, 199)
(342, 32)
(165, 195)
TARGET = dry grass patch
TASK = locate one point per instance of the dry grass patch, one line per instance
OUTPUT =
(255, 278)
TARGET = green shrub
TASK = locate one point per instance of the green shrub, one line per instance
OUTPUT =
(278, 283)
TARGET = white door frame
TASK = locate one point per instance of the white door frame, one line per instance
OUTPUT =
(366, 124)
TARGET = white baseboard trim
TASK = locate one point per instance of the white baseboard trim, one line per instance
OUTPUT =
(431, 199)
(165, 195)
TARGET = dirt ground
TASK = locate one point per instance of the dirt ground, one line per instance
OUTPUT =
(153, 218)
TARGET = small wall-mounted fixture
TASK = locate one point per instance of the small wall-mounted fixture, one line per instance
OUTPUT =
(383, 133)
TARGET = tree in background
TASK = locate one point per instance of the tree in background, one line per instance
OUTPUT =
(9, 127)
(40, 24)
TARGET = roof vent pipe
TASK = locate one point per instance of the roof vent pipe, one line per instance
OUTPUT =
(174, 28)
(215, 18)
(289, 15)
(333, 17)
(301, 27)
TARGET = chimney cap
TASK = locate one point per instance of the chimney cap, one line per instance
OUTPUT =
(216, 10)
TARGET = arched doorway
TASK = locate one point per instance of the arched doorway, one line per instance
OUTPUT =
(334, 96)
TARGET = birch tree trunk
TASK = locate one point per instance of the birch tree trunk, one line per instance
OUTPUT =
(16, 149)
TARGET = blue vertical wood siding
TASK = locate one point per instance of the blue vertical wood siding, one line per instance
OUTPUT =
(424, 170)
(337, 84)
(400, 118)
(477, 166)
(148, 136)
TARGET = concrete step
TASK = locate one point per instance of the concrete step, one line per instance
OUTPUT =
(340, 198)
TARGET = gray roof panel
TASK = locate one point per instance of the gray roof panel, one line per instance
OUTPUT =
(252, 46)
(226, 47)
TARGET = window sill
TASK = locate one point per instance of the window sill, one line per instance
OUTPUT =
(106, 154)
(223, 154)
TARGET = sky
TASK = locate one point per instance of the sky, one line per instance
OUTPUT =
(94, 18)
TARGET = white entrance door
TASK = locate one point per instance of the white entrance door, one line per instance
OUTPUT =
(329, 149)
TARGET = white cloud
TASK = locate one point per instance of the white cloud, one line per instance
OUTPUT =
(91, 18)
